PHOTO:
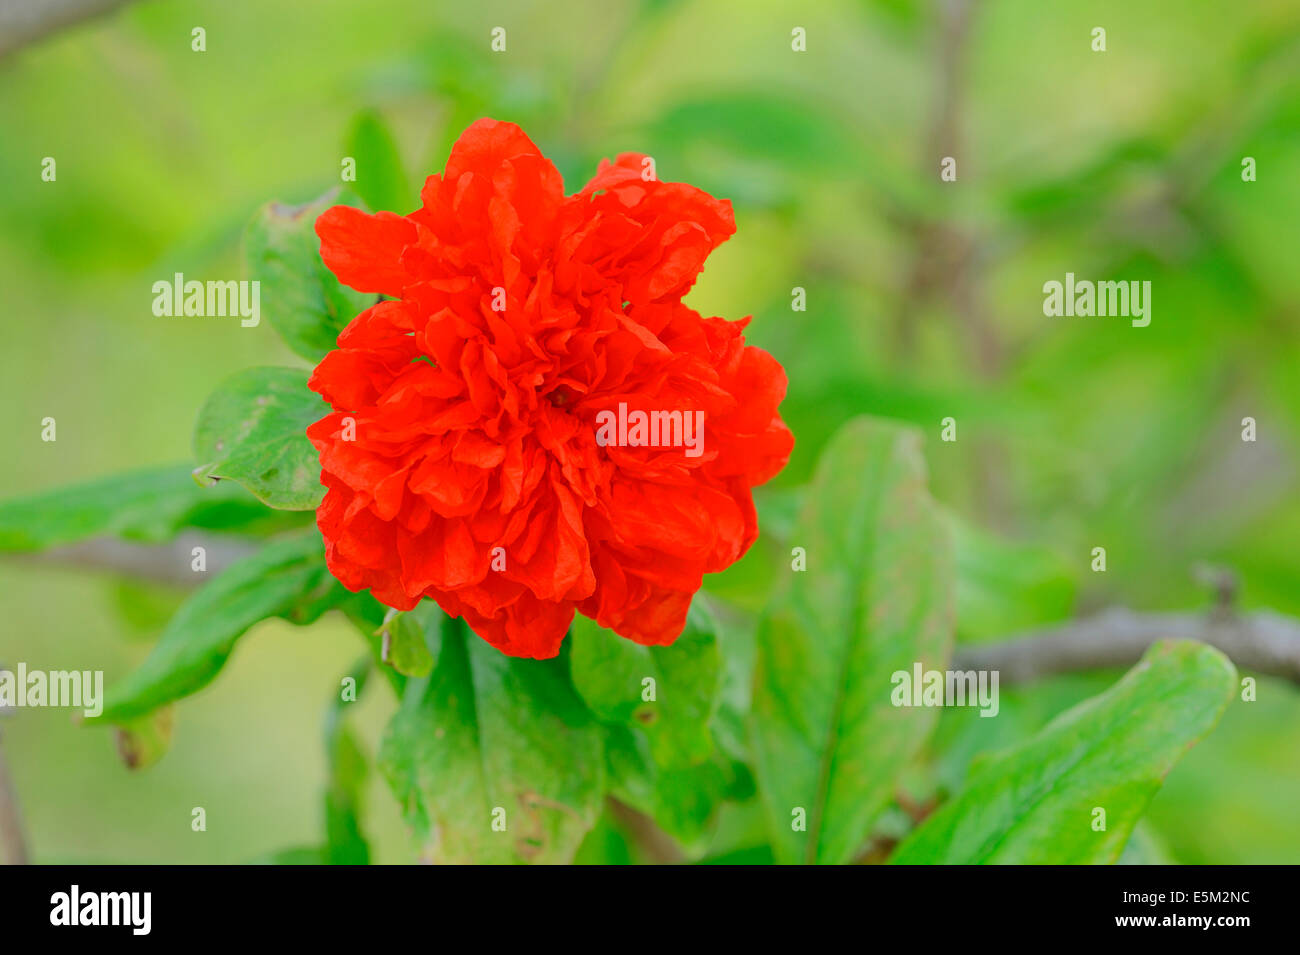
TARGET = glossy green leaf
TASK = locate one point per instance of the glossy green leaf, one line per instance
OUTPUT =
(381, 181)
(494, 738)
(1037, 802)
(300, 297)
(285, 579)
(252, 430)
(876, 598)
(407, 638)
(669, 692)
(148, 506)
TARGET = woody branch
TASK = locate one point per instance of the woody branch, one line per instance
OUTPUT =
(1263, 641)
(26, 21)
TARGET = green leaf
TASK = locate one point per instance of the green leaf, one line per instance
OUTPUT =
(302, 299)
(1035, 803)
(368, 615)
(876, 598)
(144, 740)
(604, 845)
(252, 430)
(756, 855)
(345, 843)
(286, 579)
(609, 672)
(147, 506)
(407, 638)
(683, 801)
(730, 724)
(1145, 848)
(381, 181)
(488, 732)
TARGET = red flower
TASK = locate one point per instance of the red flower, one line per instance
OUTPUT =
(465, 458)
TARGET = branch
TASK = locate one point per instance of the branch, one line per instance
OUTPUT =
(942, 256)
(1263, 641)
(162, 563)
(25, 21)
(658, 847)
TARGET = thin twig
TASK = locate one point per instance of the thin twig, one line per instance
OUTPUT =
(646, 835)
(942, 255)
(1263, 641)
(169, 563)
(25, 21)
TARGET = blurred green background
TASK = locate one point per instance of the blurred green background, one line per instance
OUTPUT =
(924, 301)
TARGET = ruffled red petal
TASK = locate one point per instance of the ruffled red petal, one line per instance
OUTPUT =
(365, 251)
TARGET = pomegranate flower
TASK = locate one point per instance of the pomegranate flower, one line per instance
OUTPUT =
(509, 433)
